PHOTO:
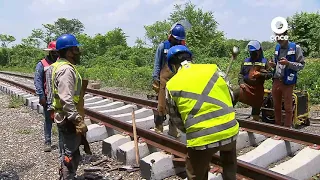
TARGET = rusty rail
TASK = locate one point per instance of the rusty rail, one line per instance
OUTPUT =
(261, 128)
(127, 99)
(170, 145)
(179, 149)
(284, 132)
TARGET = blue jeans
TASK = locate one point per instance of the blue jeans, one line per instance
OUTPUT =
(48, 130)
(47, 126)
(70, 143)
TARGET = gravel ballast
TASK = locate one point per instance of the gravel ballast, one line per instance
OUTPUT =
(21, 152)
(22, 156)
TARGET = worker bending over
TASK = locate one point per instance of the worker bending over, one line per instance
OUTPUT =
(254, 71)
(288, 60)
(200, 105)
(161, 74)
(40, 85)
(68, 103)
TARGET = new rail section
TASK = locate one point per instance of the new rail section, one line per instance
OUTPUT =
(178, 148)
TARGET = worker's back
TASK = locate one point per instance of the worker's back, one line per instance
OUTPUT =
(205, 104)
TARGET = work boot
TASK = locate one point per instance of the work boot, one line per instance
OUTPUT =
(47, 147)
(173, 131)
(256, 118)
(158, 128)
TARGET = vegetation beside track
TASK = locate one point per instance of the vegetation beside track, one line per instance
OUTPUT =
(108, 58)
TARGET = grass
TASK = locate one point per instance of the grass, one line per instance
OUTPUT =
(15, 102)
(54, 129)
(25, 131)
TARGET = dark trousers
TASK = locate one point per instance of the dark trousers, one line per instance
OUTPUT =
(197, 163)
(71, 142)
(279, 91)
(255, 111)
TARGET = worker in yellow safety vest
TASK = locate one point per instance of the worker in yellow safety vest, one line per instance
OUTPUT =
(68, 92)
(199, 103)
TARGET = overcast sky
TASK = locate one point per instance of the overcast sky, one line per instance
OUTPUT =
(240, 19)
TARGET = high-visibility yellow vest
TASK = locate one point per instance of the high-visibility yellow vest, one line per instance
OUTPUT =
(56, 100)
(204, 102)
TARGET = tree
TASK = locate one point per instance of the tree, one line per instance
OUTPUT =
(157, 32)
(51, 32)
(304, 28)
(203, 37)
(116, 37)
(6, 40)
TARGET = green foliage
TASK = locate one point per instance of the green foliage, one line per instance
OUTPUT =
(305, 30)
(108, 58)
(15, 102)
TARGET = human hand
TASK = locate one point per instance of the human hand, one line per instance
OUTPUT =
(242, 86)
(81, 127)
(42, 101)
(156, 85)
(284, 61)
(256, 74)
(272, 64)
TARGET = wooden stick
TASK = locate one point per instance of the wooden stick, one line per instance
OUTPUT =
(135, 137)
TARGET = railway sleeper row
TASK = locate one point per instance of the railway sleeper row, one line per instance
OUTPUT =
(291, 159)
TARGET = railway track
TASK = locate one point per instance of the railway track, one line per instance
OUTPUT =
(260, 146)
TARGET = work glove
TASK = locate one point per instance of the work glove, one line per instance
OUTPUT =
(51, 112)
(81, 127)
(158, 121)
(156, 85)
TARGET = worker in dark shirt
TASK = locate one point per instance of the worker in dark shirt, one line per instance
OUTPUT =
(254, 71)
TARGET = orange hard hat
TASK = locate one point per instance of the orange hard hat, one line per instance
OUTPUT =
(51, 46)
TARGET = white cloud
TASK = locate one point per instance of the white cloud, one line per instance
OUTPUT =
(168, 9)
(283, 4)
(243, 21)
(123, 11)
(212, 4)
(153, 2)
(120, 14)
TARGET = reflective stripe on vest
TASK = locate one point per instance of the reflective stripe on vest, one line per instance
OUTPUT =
(204, 103)
(290, 76)
(56, 99)
(45, 64)
(256, 64)
(248, 62)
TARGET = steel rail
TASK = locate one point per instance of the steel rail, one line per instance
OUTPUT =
(127, 99)
(251, 126)
(170, 145)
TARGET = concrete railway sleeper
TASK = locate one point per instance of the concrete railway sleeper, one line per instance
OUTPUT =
(266, 149)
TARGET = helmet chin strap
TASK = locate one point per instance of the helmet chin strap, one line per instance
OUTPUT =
(185, 63)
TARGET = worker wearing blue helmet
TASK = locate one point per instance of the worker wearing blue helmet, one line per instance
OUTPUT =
(199, 104)
(67, 92)
(161, 74)
(254, 71)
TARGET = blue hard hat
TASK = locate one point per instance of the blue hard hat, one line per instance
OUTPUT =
(175, 50)
(66, 40)
(254, 46)
(178, 32)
